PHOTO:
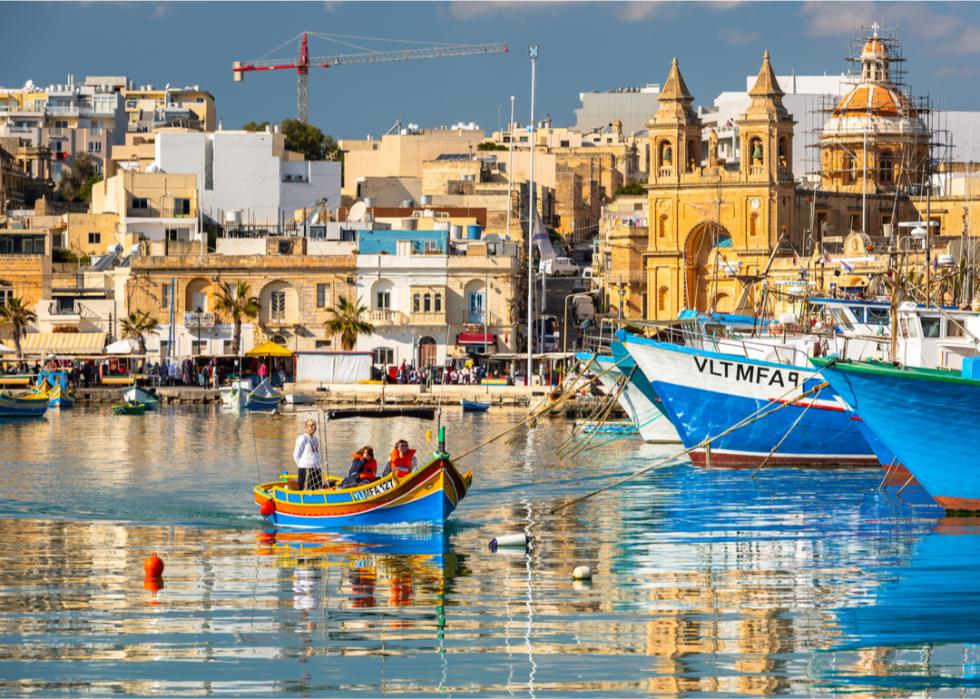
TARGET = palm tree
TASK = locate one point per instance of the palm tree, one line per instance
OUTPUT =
(136, 325)
(347, 322)
(237, 303)
(18, 315)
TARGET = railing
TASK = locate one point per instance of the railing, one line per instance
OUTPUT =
(666, 171)
(56, 309)
(757, 170)
(381, 316)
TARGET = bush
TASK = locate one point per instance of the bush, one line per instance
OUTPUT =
(631, 190)
(490, 145)
(63, 255)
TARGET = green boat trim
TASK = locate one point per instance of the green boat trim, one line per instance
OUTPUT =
(900, 372)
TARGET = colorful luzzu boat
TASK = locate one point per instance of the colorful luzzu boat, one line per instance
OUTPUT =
(23, 406)
(428, 495)
(59, 397)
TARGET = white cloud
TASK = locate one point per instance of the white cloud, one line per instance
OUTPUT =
(477, 9)
(939, 32)
(739, 38)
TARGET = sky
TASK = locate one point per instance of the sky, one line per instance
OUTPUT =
(584, 46)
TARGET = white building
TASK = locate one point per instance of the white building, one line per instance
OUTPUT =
(426, 306)
(248, 177)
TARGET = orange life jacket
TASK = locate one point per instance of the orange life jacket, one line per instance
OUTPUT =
(401, 466)
(368, 470)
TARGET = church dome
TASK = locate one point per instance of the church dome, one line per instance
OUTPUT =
(873, 100)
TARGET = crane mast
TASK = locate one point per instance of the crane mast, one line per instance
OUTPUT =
(304, 62)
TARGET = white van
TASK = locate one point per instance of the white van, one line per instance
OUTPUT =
(560, 267)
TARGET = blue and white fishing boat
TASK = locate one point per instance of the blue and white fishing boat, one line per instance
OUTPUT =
(473, 406)
(240, 395)
(927, 417)
(705, 393)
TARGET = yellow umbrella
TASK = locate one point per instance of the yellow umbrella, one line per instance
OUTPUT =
(269, 349)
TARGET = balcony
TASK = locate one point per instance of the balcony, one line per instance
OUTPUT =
(382, 317)
(431, 318)
(64, 311)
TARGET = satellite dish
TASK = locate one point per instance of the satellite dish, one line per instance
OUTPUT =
(357, 212)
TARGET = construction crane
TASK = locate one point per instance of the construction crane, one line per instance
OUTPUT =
(304, 62)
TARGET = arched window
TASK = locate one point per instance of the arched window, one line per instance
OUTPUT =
(438, 307)
(691, 155)
(783, 153)
(886, 167)
(416, 302)
(662, 226)
(427, 303)
(666, 155)
(756, 153)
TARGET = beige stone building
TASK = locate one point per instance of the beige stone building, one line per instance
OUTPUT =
(150, 205)
(294, 289)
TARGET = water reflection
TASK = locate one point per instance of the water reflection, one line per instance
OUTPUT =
(705, 582)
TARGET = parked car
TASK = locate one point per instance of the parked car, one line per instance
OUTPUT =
(560, 267)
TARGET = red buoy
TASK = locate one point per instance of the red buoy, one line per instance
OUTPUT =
(267, 508)
(153, 566)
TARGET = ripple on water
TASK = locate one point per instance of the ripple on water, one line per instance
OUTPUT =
(709, 582)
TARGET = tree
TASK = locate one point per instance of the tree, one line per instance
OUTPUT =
(633, 189)
(490, 145)
(17, 315)
(76, 184)
(236, 302)
(346, 320)
(136, 325)
(303, 138)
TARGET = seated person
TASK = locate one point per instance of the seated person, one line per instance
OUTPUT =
(363, 469)
(402, 460)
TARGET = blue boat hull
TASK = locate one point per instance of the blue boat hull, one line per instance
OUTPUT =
(432, 509)
(931, 425)
(470, 406)
(706, 393)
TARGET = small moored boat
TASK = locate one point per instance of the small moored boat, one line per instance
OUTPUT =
(129, 409)
(428, 495)
(472, 406)
(138, 394)
(59, 397)
(23, 406)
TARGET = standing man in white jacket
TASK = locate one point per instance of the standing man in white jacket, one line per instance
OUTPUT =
(306, 454)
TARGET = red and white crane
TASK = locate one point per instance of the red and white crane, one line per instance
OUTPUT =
(304, 62)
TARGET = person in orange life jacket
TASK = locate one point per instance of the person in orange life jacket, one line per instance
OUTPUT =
(363, 469)
(402, 460)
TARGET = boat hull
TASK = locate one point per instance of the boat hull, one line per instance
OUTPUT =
(927, 418)
(138, 409)
(427, 496)
(471, 406)
(637, 399)
(17, 407)
(706, 393)
(135, 394)
(59, 398)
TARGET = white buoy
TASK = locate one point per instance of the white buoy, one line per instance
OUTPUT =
(582, 573)
(509, 540)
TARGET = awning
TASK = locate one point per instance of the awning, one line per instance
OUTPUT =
(123, 346)
(269, 349)
(6, 350)
(63, 343)
(476, 339)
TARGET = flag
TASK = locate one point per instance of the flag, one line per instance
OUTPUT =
(845, 266)
(539, 236)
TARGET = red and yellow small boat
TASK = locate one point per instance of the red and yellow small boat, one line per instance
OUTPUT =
(428, 495)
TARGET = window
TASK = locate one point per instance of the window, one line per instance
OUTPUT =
(164, 348)
(662, 227)
(855, 224)
(6, 293)
(930, 326)
(182, 207)
(140, 203)
(563, 144)
(474, 305)
(438, 303)
(199, 347)
(226, 346)
(277, 305)
(94, 146)
(61, 124)
(322, 295)
(886, 168)
(382, 300)
(178, 233)
(384, 356)
(954, 328)
(199, 299)
(427, 303)
(753, 223)
(130, 104)
(430, 247)
(94, 238)
(322, 344)
(847, 165)
(164, 296)
(416, 302)
(877, 316)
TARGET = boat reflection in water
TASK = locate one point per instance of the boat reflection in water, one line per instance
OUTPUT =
(922, 631)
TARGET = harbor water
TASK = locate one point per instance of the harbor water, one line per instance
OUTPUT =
(704, 582)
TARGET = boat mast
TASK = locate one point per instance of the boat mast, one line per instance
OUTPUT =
(533, 53)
